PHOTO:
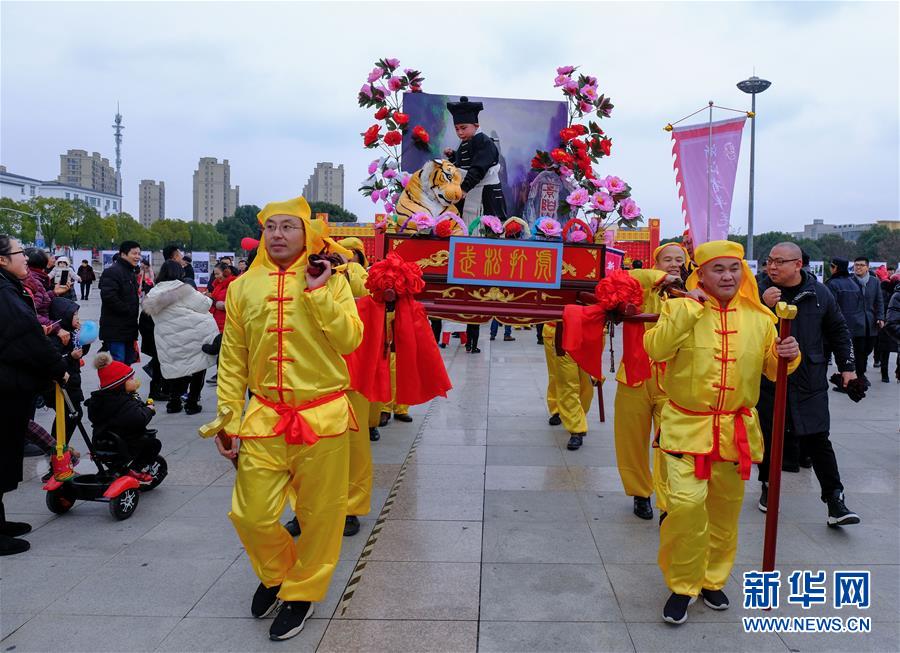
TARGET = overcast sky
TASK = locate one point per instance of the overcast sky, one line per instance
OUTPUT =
(272, 88)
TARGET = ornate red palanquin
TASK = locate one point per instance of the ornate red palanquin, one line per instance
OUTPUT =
(582, 267)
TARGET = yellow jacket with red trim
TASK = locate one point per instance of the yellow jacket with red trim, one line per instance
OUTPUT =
(714, 359)
(285, 343)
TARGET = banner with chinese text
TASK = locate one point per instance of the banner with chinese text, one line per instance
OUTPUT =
(518, 264)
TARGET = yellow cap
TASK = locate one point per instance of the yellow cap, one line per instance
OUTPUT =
(658, 251)
(317, 239)
(714, 249)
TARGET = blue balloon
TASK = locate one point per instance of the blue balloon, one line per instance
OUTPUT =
(88, 332)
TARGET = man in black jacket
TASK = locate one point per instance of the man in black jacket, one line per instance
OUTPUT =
(818, 324)
(859, 297)
(121, 303)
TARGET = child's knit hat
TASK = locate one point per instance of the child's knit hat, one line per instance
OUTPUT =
(111, 372)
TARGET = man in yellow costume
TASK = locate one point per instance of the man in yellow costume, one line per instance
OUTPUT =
(639, 389)
(716, 344)
(569, 391)
(289, 322)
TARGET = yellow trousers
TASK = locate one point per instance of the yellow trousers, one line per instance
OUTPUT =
(569, 389)
(636, 418)
(375, 408)
(393, 406)
(698, 540)
(359, 492)
(269, 470)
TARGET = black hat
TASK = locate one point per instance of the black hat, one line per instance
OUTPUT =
(465, 112)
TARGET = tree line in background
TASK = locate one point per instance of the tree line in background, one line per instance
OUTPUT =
(78, 225)
(877, 244)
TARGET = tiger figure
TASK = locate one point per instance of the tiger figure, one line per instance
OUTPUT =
(433, 189)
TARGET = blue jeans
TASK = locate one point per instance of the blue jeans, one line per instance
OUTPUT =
(121, 351)
(495, 326)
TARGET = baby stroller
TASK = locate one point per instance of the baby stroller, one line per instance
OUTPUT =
(111, 483)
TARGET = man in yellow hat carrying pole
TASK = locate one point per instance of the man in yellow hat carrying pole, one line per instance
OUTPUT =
(716, 344)
(639, 390)
(289, 321)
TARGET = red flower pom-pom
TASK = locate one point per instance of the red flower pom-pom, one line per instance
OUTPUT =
(617, 290)
(394, 272)
(512, 229)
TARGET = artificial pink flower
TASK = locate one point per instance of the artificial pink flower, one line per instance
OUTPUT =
(614, 185)
(576, 236)
(374, 166)
(381, 224)
(375, 75)
(388, 207)
(598, 183)
(590, 92)
(366, 90)
(493, 223)
(549, 227)
(628, 209)
(423, 221)
(404, 179)
(395, 197)
(392, 63)
(395, 83)
(601, 201)
(565, 70)
(564, 171)
(380, 89)
(570, 87)
(591, 81)
(390, 173)
(586, 107)
(578, 197)
(561, 80)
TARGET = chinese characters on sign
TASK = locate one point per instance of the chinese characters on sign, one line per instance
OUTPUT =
(807, 588)
(509, 263)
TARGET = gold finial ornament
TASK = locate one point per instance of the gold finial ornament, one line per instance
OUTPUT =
(786, 311)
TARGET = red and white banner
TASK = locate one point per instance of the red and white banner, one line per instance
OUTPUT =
(705, 175)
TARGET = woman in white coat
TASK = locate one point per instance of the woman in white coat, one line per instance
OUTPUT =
(183, 324)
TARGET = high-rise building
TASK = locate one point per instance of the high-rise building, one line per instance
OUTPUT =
(214, 198)
(93, 172)
(152, 197)
(326, 184)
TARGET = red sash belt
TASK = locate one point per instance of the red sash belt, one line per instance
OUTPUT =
(703, 463)
(291, 424)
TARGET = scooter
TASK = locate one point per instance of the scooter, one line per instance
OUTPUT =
(111, 484)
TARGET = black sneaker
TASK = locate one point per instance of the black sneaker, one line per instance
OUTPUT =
(293, 527)
(555, 420)
(676, 608)
(575, 441)
(402, 417)
(763, 503)
(642, 508)
(715, 599)
(374, 434)
(192, 409)
(14, 528)
(806, 462)
(838, 513)
(10, 546)
(351, 526)
(290, 620)
(474, 350)
(174, 406)
(265, 600)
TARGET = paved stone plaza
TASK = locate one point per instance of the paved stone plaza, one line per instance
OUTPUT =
(498, 539)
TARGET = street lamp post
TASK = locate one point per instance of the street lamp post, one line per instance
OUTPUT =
(752, 86)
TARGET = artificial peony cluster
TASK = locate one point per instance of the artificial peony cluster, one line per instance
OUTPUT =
(601, 201)
(383, 91)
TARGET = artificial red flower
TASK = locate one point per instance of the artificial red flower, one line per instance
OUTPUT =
(537, 163)
(512, 229)
(415, 88)
(420, 134)
(400, 118)
(579, 145)
(561, 156)
(444, 229)
(393, 137)
(580, 129)
(606, 146)
(371, 136)
(382, 113)
(567, 134)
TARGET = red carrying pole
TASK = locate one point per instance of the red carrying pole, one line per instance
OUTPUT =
(786, 313)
